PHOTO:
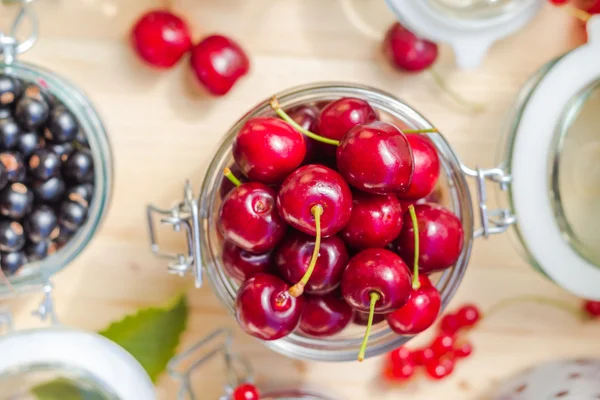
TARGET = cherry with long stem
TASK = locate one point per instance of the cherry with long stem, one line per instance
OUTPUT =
(274, 103)
(374, 298)
(232, 178)
(416, 284)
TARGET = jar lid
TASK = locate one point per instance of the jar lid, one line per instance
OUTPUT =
(469, 26)
(555, 167)
(87, 360)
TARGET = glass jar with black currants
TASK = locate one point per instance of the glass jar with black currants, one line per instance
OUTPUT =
(55, 174)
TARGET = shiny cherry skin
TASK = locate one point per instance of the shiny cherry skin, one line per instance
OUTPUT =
(324, 315)
(362, 318)
(376, 220)
(313, 185)
(376, 158)
(265, 309)
(249, 219)
(420, 311)
(376, 270)
(161, 38)
(592, 308)
(427, 168)
(226, 185)
(339, 116)
(468, 316)
(307, 117)
(218, 63)
(268, 149)
(440, 238)
(408, 52)
(245, 391)
(293, 256)
(241, 264)
(439, 368)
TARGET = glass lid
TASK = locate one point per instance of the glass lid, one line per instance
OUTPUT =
(554, 161)
(469, 26)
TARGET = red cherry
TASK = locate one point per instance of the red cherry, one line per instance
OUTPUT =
(468, 315)
(218, 62)
(423, 356)
(339, 116)
(442, 345)
(268, 149)
(406, 51)
(362, 318)
(427, 168)
(249, 219)
(439, 369)
(449, 324)
(401, 355)
(324, 315)
(307, 118)
(376, 280)
(241, 264)
(293, 256)
(161, 38)
(226, 184)
(376, 158)
(265, 309)
(440, 235)
(375, 221)
(463, 350)
(592, 308)
(245, 392)
(419, 313)
(312, 185)
(399, 372)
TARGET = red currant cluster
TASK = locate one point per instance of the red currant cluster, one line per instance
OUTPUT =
(592, 308)
(161, 39)
(437, 359)
(245, 391)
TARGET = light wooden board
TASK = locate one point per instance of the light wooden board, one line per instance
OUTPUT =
(164, 130)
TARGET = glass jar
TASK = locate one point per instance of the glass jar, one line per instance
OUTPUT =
(35, 274)
(200, 218)
(470, 27)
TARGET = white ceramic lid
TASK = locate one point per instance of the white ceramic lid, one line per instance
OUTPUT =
(531, 169)
(470, 38)
(99, 357)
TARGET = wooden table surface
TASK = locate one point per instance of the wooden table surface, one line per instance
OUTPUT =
(164, 130)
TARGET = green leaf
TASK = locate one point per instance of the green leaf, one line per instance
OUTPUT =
(151, 335)
(63, 389)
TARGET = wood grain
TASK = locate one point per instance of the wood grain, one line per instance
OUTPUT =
(163, 129)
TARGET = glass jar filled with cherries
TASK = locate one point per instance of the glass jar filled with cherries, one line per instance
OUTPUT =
(334, 221)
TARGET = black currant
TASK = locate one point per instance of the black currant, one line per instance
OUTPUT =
(62, 126)
(72, 215)
(31, 113)
(10, 90)
(62, 150)
(80, 166)
(28, 143)
(16, 200)
(81, 194)
(12, 235)
(40, 250)
(49, 191)
(41, 224)
(12, 262)
(44, 164)
(9, 134)
(14, 166)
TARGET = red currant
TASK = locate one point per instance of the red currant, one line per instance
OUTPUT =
(401, 355)
(439, 369)
(463, 350)
(449, 324)
(423, 356)
(400, 372)
(442, 344)
(592, 308)
(558, 2)
(468, 315)
(161, 38)
(245, 392)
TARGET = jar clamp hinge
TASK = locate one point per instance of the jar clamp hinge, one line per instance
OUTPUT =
(238, 368)
(495, 220)
(10, 46)
(184, 214)
(44, 311)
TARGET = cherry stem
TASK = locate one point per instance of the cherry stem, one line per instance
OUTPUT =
(577, 12)
(229, 175)
(298, 288)
(475, 107)
(556, 303)
(375, 297)
(274, 103)
(413, 216)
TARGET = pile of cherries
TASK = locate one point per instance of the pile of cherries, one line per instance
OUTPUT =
(438, 358)
(161, 39)
(321, 213)
(46, 174)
